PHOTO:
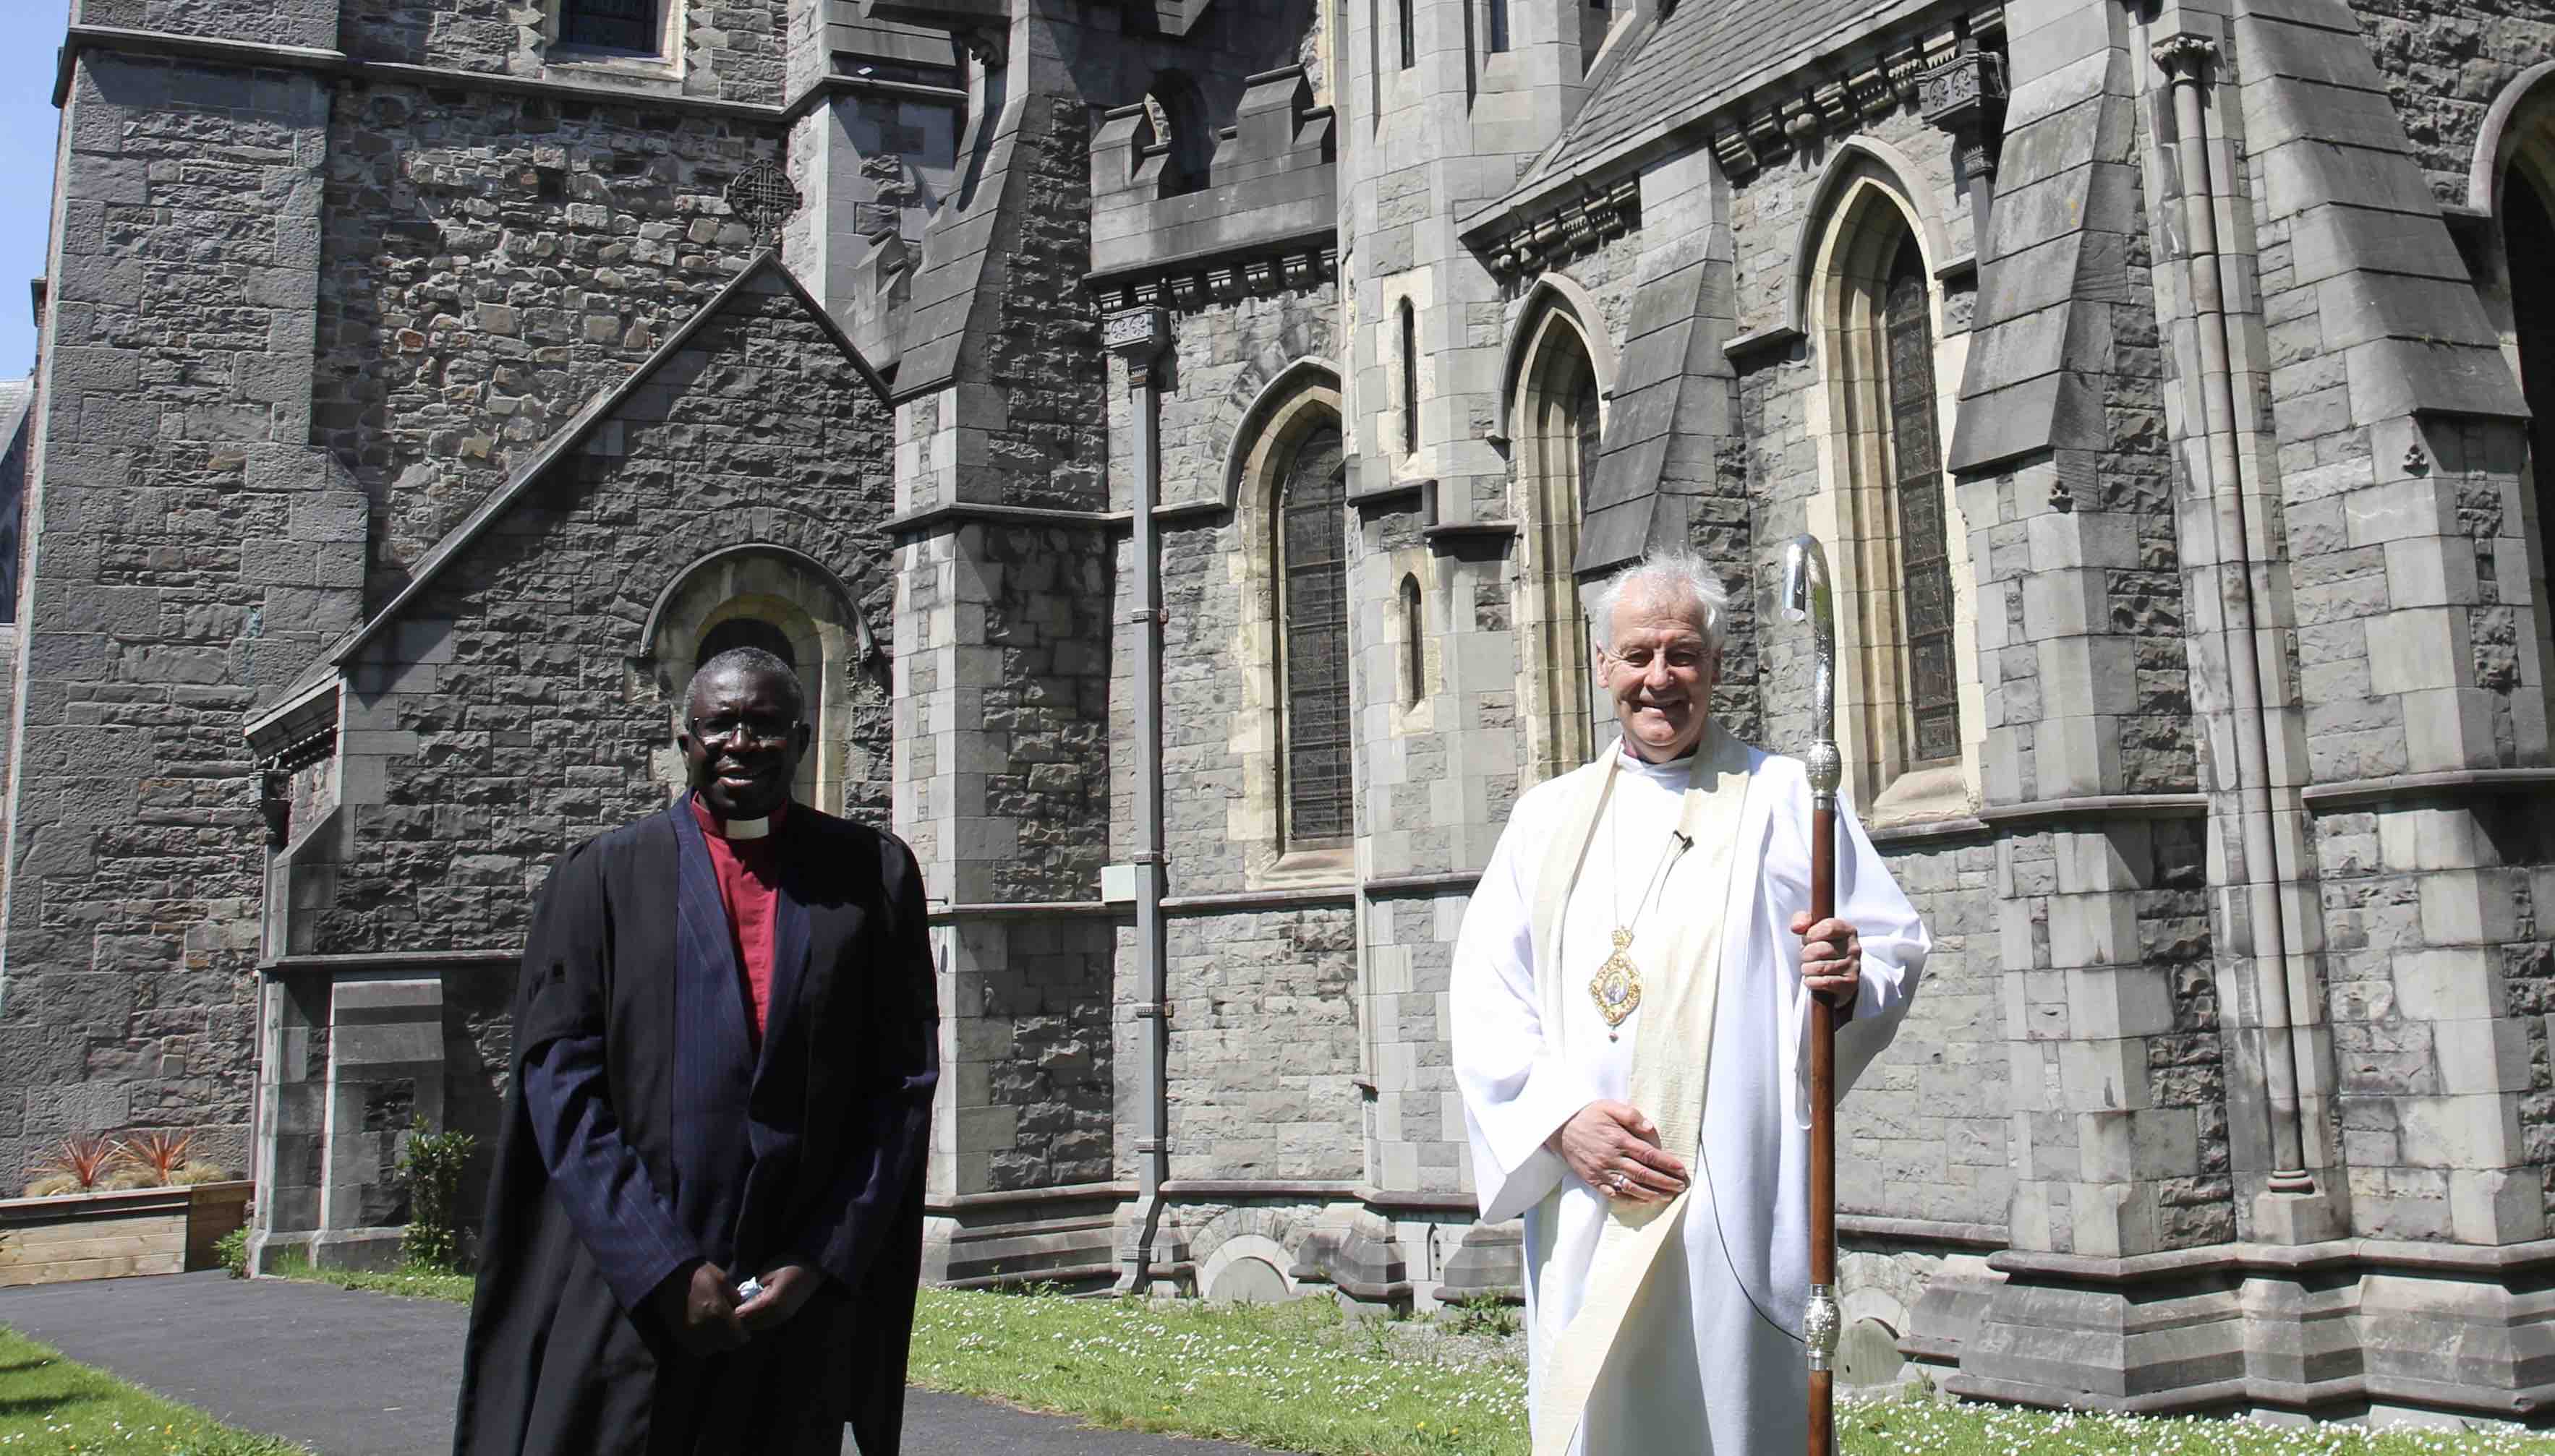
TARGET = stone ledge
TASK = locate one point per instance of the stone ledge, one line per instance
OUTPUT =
(1290, 898)
(2096, 807)
(1772, 339)
(1877, 1229)
(2362, 793)
(826, 87)
(2480, 1260)
(944, 912)
(1926, 831)
(394, 960)
(1396, 887)
(924, 519)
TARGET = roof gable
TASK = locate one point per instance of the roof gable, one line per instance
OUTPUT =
(572, 438)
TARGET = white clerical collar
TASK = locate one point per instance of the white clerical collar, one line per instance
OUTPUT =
(711, 823)
(1676, 768)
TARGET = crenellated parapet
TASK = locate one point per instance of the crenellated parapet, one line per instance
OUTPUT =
(1263, 216)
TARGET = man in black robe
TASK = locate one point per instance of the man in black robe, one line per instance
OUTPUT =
(725, 1047)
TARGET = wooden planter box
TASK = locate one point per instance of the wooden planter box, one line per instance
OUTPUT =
(105, 1236)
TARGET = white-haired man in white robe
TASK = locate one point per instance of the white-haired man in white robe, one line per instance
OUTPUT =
(1630, 1009)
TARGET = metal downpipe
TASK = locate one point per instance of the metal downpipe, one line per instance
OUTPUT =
(1138, 335)
(2186, 60)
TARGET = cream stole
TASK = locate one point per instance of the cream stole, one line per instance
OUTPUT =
(1680, 960)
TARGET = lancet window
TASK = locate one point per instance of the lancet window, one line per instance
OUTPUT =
(1313, 618)
(1924, 550)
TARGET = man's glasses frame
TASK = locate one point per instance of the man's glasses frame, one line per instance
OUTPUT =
(742, 732)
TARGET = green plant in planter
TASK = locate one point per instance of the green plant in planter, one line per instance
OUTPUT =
(433, 1162)
(78, 1164)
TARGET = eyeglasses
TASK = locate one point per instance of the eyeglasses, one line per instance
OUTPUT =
(751, 730)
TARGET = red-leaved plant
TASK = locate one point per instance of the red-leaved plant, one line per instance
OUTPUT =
(78, 1164)
(155, 1155)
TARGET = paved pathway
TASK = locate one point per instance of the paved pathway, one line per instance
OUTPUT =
(372, 1375)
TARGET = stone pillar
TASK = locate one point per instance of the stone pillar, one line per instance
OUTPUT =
(2113, 1008)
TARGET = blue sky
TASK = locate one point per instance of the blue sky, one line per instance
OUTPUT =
(27, 125)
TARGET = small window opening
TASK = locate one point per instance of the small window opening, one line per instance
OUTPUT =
(1414, 645)
(1593, 22)
(1496, 15)
(1409, 379)
(611, 25)
(1409, 37)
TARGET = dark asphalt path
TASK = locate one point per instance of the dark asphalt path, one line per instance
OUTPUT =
(352, 1373)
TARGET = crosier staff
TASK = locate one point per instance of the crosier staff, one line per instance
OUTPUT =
(1807, 595)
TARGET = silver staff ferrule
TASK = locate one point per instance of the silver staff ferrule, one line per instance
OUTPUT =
(1820, 1324)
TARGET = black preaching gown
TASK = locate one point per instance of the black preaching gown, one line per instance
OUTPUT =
(675, 1138)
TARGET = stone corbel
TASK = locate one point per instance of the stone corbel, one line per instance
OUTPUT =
(1965, 95)
(989, 47)
(1872, 95)
(1801, 124)
(1738, 158)
(2184, 57)
(1137, 335)
(1905, 67)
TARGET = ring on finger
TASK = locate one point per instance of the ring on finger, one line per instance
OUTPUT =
(1616, 1184)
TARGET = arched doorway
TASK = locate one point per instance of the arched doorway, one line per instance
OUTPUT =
(793, 606)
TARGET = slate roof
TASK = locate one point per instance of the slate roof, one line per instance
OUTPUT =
(15, 395)
(1702, 54)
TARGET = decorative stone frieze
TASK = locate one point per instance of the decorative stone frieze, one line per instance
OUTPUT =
(1800, 113)
(1195, 285)
(1571, 230)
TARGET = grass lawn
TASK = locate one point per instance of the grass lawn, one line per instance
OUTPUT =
(1302, 1377)
(57, 1407)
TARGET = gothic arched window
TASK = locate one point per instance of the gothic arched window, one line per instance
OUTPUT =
(1313, 637)
(1414, 645)
(1561, 420)
(1924, 549)
(1907, 647)
(1409, 379)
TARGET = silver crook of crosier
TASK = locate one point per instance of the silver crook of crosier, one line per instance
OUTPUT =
(1807, 594)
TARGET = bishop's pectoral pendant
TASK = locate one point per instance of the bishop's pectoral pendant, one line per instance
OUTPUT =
(1617, 989)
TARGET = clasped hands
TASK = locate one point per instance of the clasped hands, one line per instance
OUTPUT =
(701, 1309)
(1614, 1148)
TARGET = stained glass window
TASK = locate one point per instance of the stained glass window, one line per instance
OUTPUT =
(1924, 556)
(1313, 612)
(610, 24)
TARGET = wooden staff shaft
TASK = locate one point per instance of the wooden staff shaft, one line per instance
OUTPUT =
(1823, 1019)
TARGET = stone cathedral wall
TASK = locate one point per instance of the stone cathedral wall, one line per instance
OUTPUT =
(733, 49)
(176, 419)
(512, 713)
(493, 262)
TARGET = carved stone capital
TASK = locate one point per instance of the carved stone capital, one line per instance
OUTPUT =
(1965, 94)
(1137, 333)
(2185, 56)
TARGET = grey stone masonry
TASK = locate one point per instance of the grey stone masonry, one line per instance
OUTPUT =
(177, 416)
(413, 406)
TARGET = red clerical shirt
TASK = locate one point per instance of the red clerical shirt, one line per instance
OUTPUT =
(748, 881)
